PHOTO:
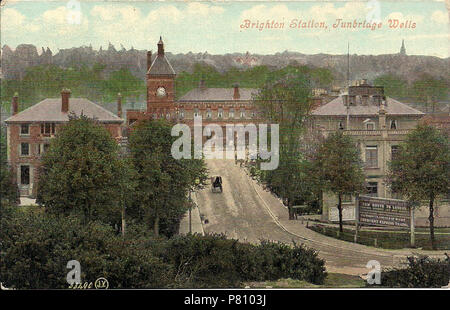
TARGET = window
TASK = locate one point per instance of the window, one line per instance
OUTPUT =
(371, 157)
(242, 113)
(25, 175)
(393, 124)
(370, 126)
(167, 115)
(196, 114)
(24, 129)
(208, 114)
(394, 151)
(24, 149)
(341, 125)
(48, 129)
(231, 113)
(220, 113)
(181, 113)
(372, 189)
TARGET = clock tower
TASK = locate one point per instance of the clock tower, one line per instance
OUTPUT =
(160, 84)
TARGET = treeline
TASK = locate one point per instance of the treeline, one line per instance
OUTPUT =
(46, 81)
(425, 90)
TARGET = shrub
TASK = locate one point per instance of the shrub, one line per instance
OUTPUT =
(36, 247)
(214, 261)
(421, 272)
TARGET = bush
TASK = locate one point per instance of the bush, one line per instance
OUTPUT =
(421, 272)
(214, 261)
(36, 247)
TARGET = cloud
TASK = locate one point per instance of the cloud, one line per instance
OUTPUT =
(439, 17)
(12, 19)
(403, 18)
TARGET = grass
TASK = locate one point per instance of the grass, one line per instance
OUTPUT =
(333, 280)
(388, 239)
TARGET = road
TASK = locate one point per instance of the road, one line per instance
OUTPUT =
(247, 212)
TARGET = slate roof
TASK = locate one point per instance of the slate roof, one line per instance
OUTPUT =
(217, 94)
(49, 110)
(161, 66)
(336, 107)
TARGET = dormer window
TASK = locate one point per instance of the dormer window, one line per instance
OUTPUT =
(393, 124)
(370, 126)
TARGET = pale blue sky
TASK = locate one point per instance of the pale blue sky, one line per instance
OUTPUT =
(215, 26)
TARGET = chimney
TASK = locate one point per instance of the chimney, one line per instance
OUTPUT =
(65, 94)
(119, 105)
(149, 60)
(202, 84)
(236, 94)
(15, 104)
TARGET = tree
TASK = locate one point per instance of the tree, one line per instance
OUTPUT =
(430, 90)
(163, 182)
(421, 170)
(9, 192)
(36, 247)
(337, 165)
(81, 172)
(394, 86)
(285, 101)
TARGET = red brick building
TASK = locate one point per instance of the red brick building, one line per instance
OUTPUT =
(215, 105)
(30, 131)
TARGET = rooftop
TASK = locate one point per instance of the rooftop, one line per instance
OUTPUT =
(49, 110)
(336, 107)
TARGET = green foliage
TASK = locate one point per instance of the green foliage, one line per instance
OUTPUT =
(9, 191)
(214, 261)
(46, 81)
(37, 246)
(163, 182)
(394, 86)
(285, 101)
(421, 171)
(254, 77)
(338, 168)
(81, 172)
(422, 272)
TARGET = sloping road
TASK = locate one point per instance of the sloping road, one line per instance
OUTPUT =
(247, 212)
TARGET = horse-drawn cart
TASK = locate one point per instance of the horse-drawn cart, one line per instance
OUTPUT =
(216, 184)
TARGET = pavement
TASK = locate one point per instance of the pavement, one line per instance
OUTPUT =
(246, 211)
(196, 221)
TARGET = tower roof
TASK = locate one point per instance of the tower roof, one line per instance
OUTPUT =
(161, 66)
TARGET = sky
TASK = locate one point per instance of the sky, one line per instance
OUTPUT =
(218, 27)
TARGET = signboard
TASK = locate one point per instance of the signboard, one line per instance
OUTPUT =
(376, 211)
(348, 213)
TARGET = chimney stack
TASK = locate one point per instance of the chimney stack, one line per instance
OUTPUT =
(65, 95)
(236, 94)
(119, 105)
(149, 60)
(15, 104)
